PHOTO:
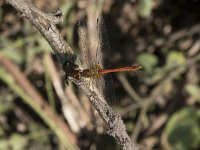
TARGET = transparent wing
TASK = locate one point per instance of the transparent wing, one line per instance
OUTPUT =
(105, 83)
(103, 50)
(89, 30)
(94, 38)
(96, 49)
(99, 45)
(84, 41)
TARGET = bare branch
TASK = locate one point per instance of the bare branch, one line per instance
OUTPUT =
(45, 23)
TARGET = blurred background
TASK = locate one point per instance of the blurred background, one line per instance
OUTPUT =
(158, 104)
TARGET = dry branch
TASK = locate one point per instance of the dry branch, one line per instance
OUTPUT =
(45, 23)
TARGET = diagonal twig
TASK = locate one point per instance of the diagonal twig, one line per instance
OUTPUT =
(39, 105)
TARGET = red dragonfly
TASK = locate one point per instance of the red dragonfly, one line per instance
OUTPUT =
(93, 42)
(94, 45)
(97, 71)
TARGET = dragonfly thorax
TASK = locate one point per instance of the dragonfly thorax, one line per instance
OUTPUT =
(93, 72)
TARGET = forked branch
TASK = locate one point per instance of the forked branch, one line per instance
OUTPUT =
(45, 23)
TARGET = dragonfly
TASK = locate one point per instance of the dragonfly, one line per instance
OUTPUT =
(94, 46)
(97, 71)
(97, 40)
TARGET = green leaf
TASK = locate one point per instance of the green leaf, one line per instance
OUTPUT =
(175, 58)
(16, 142)
(13, 49)
(193, 90)
(183, 130)
(144, 8)
(148, 61)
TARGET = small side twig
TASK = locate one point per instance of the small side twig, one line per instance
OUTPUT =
(128, 88)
